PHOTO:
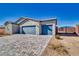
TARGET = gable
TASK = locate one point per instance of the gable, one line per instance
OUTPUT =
(29, 22)
(23, 20)
(20, 20)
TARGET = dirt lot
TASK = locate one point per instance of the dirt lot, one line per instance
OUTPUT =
(68, 46)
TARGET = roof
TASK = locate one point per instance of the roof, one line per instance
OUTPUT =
(50, 19)
(9, 22)
(22, 19)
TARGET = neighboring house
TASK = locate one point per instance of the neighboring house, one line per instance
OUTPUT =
(66, 29)
(30, 26)
(2, 30)
(77, 29)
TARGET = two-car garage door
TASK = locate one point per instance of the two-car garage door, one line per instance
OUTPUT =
(29, 29)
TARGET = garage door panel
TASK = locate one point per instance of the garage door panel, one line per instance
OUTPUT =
(29, 29)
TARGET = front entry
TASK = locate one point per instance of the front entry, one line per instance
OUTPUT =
(46, 30)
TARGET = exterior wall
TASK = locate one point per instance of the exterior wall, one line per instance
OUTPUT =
(2, 30)
(77, 30)
(15, 29)
(8, 28)
(11, 28)
(71, 30)
(31, 23)
(48, 22)
(61, 30)
(40, 28)
(54, 29)
(66, 30)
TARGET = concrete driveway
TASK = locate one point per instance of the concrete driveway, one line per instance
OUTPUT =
(23, 45)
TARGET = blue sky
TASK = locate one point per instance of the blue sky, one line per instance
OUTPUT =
(66, 14)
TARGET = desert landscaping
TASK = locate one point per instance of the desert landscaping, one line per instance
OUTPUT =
(65, 46)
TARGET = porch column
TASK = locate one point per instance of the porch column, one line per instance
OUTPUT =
(54, 29)
(37, 29)
(20, 30)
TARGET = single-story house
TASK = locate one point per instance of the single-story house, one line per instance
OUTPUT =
(31, 26)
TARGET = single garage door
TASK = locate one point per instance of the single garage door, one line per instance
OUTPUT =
(29, 29)
(46, 29)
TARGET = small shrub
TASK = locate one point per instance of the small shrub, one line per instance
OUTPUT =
(54, 46)
(59, 48)
(58, 37)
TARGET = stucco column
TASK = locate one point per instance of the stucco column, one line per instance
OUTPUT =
(20, 30)
(54, 29)
(37, 29)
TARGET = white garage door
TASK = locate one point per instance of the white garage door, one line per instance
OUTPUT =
(29, 29)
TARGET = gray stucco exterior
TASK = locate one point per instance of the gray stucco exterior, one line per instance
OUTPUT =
(11, 28)
(31, 23)
(14, 28)
(51, 22)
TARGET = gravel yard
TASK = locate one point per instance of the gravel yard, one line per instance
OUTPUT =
(68, 46)
(23, 45)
